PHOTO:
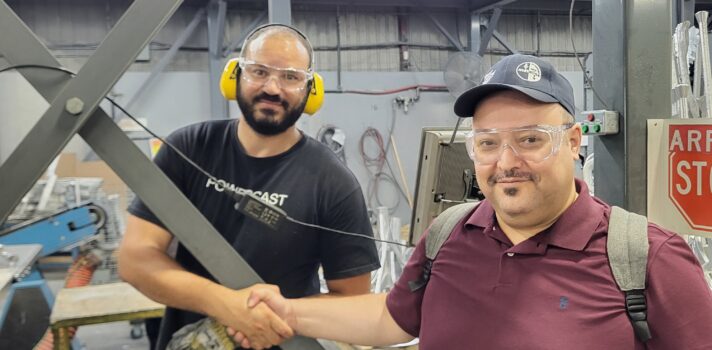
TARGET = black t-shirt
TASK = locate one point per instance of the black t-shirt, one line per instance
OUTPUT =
(307, 181)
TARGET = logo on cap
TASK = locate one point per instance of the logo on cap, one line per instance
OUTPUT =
(488, 76)
(529, 71)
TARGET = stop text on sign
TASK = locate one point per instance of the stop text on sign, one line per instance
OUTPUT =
(695, 146)
(690, 172)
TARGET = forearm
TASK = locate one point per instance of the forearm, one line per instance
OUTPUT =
(362, 320)
(160, 278)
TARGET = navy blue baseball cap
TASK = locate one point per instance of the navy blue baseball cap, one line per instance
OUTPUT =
(529, 75)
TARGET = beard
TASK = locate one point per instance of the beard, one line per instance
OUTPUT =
(269, 123)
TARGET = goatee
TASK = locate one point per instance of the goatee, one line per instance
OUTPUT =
(269, 124)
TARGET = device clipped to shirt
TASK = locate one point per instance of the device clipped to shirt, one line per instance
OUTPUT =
(255, 208)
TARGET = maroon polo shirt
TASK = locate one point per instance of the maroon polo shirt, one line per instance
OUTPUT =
(552, 291)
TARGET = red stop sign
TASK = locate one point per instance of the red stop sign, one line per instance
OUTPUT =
(690, 166)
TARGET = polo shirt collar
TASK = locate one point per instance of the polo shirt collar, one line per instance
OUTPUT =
(573, 230)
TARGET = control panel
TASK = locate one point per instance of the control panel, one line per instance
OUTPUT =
(598, 122)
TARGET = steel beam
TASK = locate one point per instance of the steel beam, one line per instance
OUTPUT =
(684, 10)
(500, 38)
(28, 51)
(280, 11)
(475, 32)
(216, 36)
(494, 5)
(633, 77)
(403, 50)
(491, 27)
(134, 168)
(159, 193)
(454, 41)
(167, 58)
(59, 124)
(250, 27)
(338, 49)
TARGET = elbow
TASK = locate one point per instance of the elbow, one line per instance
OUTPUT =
(126, 267)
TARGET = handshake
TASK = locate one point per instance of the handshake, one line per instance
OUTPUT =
(254, 317)
(259, 317)
(271, 318)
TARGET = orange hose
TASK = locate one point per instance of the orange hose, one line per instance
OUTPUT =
(78, 275)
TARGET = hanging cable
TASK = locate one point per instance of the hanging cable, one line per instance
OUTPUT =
(377, 164)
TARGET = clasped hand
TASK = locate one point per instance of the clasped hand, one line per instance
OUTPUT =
(270, 319)
(253, 324)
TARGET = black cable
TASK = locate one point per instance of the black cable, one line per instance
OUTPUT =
(20, 66)
(378, 162)
(343, 232)
(187, 159)
(175, 149)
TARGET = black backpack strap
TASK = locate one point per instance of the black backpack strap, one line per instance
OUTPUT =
(438, 233)
(627, 249)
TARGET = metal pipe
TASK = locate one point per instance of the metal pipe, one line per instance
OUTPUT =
(167, 58)
(679, 69)
(338, 48)
(250, 27)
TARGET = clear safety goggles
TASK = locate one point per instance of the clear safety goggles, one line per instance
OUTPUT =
(287, 78)
(530, 143)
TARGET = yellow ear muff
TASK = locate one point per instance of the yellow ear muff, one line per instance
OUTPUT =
(316, 95)
(228, 80)
(230, 74)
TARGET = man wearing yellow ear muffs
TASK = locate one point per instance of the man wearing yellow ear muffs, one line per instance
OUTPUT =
(262, 153)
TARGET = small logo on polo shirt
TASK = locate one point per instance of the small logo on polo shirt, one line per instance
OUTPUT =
(563, 303)
(529, 71)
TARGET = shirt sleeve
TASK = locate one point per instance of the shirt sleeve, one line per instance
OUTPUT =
(169, 162)
(345, 256)
(679, 299)
(403, 304)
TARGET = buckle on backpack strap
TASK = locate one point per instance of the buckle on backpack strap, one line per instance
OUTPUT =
(637, 309)
(420, 283)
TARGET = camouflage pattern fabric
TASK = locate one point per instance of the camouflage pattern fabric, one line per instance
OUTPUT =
(205, 334)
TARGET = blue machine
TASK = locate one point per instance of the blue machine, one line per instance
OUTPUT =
(58, 231)
(24, 316)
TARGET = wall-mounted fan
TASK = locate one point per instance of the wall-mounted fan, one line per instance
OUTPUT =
(463, 71)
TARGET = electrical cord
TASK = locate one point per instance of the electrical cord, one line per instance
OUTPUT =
(343, 232)
(578, 59)
(378, 162)
(196, 166)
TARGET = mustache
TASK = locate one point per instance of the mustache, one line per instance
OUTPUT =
(493, 179)
(271, 98)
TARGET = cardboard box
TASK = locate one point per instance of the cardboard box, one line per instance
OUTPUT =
(69, 166)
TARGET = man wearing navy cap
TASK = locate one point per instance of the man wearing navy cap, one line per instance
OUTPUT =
(528, 267)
